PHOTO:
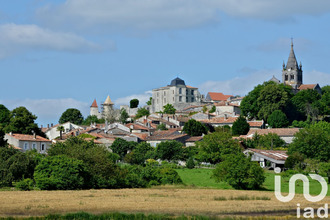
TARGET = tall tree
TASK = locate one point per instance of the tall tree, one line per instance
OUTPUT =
(240, 126)
(22, 122)
(169, 150)
(307, 102)
(142, 112)
(194, 128)
(123, 116)
(169, 109)
(71, 115)
(278, 119)
(4, 116)
(134, 103)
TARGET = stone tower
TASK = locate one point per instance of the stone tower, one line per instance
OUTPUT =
(94, 109)
(292, 73)
(107, 111)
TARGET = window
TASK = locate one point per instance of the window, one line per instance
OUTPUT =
(192, 92)
(157, 101)
(186, 91)
(173, 91)
(173, 99)
(164, 93)
(186, 99)
(42, 147)
(192, 99)
(157, 94)
(291, 77)
(286, 78)
(34, 146)
(26, 146)
(180, 98)
(180, 90)
(164, 100)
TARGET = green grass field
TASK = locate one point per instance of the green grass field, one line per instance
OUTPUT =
(202, 178)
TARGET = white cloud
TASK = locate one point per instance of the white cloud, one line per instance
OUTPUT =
(170, 14)
(239, 85)
(48, 110)
(243, 85)
(17, 38)
(314, 76)
(143, 98)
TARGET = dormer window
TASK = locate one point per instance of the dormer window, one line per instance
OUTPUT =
(291, 77)
(286, 77)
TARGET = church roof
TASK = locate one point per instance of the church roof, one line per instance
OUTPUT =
(177, 81)
(274, 79)
(94, 104)
(108, 101)
(307, 86)
(292, 61)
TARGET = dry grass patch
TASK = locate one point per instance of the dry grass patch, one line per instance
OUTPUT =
(169, 200)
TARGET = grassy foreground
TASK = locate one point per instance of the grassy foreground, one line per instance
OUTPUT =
(202, 178)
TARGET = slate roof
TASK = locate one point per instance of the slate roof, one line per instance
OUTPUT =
(177, 81)
(170, 134)
(292, 61)
(27, 137)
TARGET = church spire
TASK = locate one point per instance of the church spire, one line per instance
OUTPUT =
(292, 61)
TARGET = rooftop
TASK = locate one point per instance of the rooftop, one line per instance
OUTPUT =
(28, 137)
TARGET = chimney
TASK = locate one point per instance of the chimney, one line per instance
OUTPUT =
(34, 135)
(47, 125)
(41, 126)
(51, 125)
(11, 133)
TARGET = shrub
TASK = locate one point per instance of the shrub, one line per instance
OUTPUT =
(60, 172)
(240, 126)
(239, 172)
(25, 184)
(190, 163)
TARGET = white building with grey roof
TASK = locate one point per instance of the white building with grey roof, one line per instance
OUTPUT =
(177, 94)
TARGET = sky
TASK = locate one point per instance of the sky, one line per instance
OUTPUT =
(59, 54)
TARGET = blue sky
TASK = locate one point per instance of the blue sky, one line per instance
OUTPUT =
(59, 54)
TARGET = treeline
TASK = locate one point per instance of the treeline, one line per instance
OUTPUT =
(279, 107)
(77, 164)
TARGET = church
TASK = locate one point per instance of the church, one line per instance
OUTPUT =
(292, 75)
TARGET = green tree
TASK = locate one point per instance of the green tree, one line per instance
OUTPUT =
(190, 163)
(249, 105)
(324, 102)
(215, 146)
(313, 142)
(272, 97)
(123, 116)
(72, 115)
(4, 116)
(3, 142)
(269, 141)
(194, 128)
(213, 109)
(169, 109)
(307, 102)
(149, 102)
(134, 103)
(240, 126)
(22, 122)
(162, 127)
(99, 162)
(240, 172)
(278, 119)
(121, 147)
(60, 172)
(142, 112)
(92, 119)
(169, 150)
(61, 130)
(324, 170)
(141, 152)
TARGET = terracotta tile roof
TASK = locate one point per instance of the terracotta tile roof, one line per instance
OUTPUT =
(307, 86)
(274, 154)
(220, 120)
(94, 104)
(191, 107)
(142, 136)
(27, 137)
(255, 123)
(278, 131)
(170, 134)
(194, 139)
(218, 96)
(190, 87)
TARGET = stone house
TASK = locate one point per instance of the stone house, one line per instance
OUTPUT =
(28, 142)
(267, 158)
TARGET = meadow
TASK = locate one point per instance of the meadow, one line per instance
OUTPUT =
(199, 196)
